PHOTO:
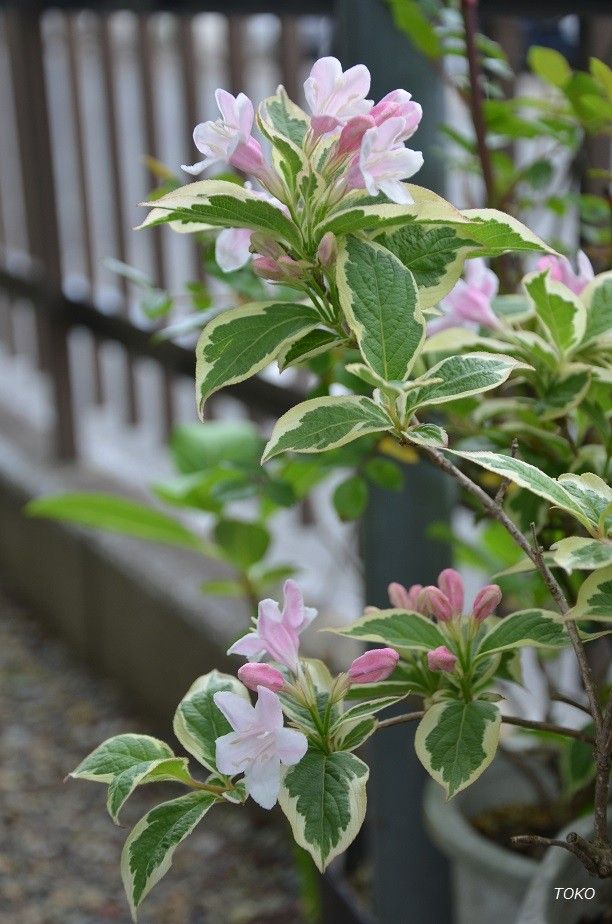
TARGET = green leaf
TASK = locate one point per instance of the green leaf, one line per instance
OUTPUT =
(223, 205)
(312, 344)
(498, 233)
(350, 498)
(243, 543)
(222, 588)
(385, 473)
(576, 763)
(118, 754)
(550, 65)
(595, 597)
(200, 446)
(325, 423)
(365, 709)
(239, 343)
(530, 477)
(434, 255)
(597, 296)
(150, 771)
(324, 799)
(564, 393)
(591, 492)
(149, 849)
(561, 314)
(398, 629)
(351, 735)
(115, 514)
(409, 17)
(283, 123)
(379, 298)
(457, 741)
(460, 376)
(577, 553)
(285, 117)
(198, 722)
(529, 628)
(428, 435)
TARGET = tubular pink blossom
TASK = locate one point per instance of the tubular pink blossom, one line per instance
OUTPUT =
(384, 161)
(248, 157)
(404, 599)
(255, 675)
(232, 248)
(396, 104)
(334, 96)
(450, 583)
(352, 133)
(433, 602)
(561, 270)
(469, 303)
(441, 659)
(218, 139)
(486, 602)
(373, 666)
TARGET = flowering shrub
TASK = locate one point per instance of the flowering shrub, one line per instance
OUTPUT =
(377, 265)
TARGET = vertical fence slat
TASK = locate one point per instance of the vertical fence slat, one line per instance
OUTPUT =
(235, 28)
(72, 42)
(148, 106)
(34, 145)
(189, 76)
(290, 56)
(117, 191)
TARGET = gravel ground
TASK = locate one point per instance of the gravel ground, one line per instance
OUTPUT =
(59, 850)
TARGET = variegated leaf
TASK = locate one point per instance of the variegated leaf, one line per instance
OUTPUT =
(498, 233)
(460, 376)
(399, 629)
(560, 313)
(118, 754)
(598, 300)
(595, 597)
(577, 553)
(198, 722)
(150, 771)
(534, 628)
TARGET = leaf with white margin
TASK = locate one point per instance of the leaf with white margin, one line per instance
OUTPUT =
(118, 754)
(365, 709)
(532, 628)
(282, 127)
(151, 771)
(240, 342)
(560, 313)
(325, 423)
(498, 233)
(529, 477)
(594, 597)
(577, 553)
(361, 212)
(428, 435)
(351, 735)
(564, 393)
(435, 256)
(380, 301)
(285, 116)
(461, 376)
(148, 851)
(400, 629)
(597, 297)
(590, 491)
(224, 205)
(324, 799)
(312, 344)
(456, 742)
(198, 722)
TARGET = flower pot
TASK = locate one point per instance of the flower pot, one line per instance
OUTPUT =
(561, 870)
(488, 881)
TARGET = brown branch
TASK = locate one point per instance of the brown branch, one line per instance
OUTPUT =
(562, 698)
(468, 12)
(525, 768)
(401, 719)
(506, 719)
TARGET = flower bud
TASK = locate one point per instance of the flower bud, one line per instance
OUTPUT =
(441, 659)
(373, 666)
(267, 268)
(265, 246)
(327, 250)
(432, 602)
(248, 157)
(352, 133)
(404, 599)
(255, 675)
(486, 602)
(450, 583)
(323, 124)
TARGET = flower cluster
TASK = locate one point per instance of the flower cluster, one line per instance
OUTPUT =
(363, 143)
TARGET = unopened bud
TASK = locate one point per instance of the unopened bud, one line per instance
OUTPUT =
(402, 598)
(450, 583)
(327, 250)
(352, 133)
(373, 666)
(441, 659)
(432, 602)
(255, 675)
(265, 246)
(486, 602)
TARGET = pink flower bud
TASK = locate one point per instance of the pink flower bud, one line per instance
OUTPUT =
(327, 250)
(450, 583)
(432, 602)
(441, 659)
(486, 602)
(373, 666)
(323, 124)
(267, 268)
(265, 245)
(261, 675)
(352, 133)
(404, 599)
(248, 157)
(396, 104)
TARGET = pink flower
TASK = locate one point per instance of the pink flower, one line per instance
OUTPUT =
(450, 583)
(433, 602)
(258, 745)
(561, 270)
(486, 602)
(373, 666)
(261, 675)
(396, 104)
(440, 659)
(277, 633)
(217, 140)
(469, 303)
(334, 96)
(352, 133)
(384, 161)
(248, 157)
(232, 248)
(327, 251)
(403, 599)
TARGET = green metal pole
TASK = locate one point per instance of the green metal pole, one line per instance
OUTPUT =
(410, 876)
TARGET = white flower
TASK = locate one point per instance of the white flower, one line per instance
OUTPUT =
(384, 161)
(335, 96)
(219, 139)
(259, 743)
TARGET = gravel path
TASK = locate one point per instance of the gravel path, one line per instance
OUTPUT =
(59, 850)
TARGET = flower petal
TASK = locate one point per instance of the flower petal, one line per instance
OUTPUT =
(237, 710)
(232, 248)
(262, 781)
(268, 710)
(228, 757)
(291, 745)
(250, 646)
